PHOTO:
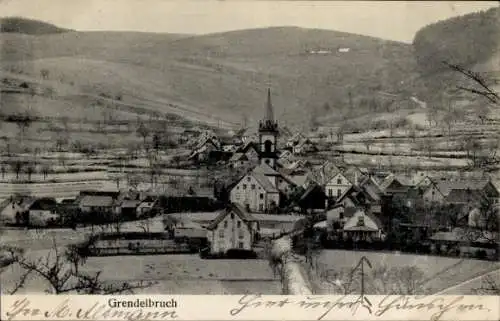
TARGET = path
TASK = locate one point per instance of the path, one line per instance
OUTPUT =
(469, 285)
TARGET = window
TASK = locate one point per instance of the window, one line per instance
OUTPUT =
(225, 224)
(267, 161)
(240, 245)
(339, 192)
(240, 234)
(339, 181)
(238, 225)
(261, 196)
(244, 186)
(232, 216)
(330, 192)
(248, 178)
(361, 221)
(237, 187)
(341, 215)
(253, 186)
(268, 146)
(261, 207)
(221, 233)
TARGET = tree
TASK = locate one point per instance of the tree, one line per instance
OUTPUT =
(482, 88)
(23, 122)
(143, 132)
(482, 113)
(63, 280)
(45, 170)
(17, 167)
(29, 169)
(3, 170)
(368, 142)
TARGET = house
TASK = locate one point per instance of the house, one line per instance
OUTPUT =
(239, 160)
(321, 174)
(128, 208)
(256, 192)
(367, 196)
(145, 206)
(233, 228)
(204, 149)
(42, 211)
(272, 225)
(337, 185)
(432, 194)
(396, 185)
(304, 147)
(96, 203)
(471, 187)
(295, 139)
(314, 198)
(251, 152)
(363, 227)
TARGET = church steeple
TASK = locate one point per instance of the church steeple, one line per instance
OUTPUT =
(268, 123)
(269, 107)
(268, 135)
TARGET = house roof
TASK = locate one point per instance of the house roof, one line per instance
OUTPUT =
(43, 204)
(265, 170)
(96, 201)
(264, 182)
(277, 217)
(310, 189)
(371, 222)
(232, 208)
(130, 203)
(464, 196)
(473, 184)
(238, 157)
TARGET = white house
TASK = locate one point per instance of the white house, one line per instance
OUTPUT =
(96, 203)
(337, 186)
(255, 192)
(363, 227)
(233, 228)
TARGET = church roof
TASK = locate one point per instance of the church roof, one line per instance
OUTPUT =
(265, 170)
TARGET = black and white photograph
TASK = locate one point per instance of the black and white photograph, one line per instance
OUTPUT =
(189, 147)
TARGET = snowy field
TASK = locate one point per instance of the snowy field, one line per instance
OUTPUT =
(439, 273)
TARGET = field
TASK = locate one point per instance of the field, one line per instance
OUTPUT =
(180, 274)
(439, 273)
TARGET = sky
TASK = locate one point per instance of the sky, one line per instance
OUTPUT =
(397, 20)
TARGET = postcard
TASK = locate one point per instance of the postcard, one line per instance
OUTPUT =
(249, 160)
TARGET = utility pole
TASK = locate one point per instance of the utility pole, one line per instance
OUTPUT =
(361, 266)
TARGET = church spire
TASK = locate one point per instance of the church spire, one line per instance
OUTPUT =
(269, 108)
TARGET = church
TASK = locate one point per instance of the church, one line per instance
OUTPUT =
(260, 190)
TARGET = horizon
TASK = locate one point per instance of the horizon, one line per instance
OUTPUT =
(374, 19)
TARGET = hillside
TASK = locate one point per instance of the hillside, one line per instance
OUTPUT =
(28, 26)
(221, 75)
(471, 41)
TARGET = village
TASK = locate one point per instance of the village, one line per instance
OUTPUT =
(277, 187)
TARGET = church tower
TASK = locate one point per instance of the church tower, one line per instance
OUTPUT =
(268, 135)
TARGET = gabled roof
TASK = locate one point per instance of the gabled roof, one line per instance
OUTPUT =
(464, 196)
(471, 184)
(247, 146)
(371, 222)
(265, 183)
(232, 208)
(265, 170)
(310, 189)
(238, 157)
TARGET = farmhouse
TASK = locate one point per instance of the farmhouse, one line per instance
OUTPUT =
(337, 186)
(233, 228)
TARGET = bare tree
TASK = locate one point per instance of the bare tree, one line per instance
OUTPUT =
(29, 169)
(17, 167)
(3, 170)
(482, 89)
(368, 142)
(482, 112)
(143, 131)
(61, 269)
(45, 170)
